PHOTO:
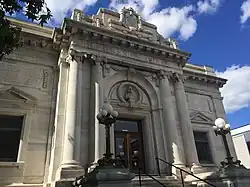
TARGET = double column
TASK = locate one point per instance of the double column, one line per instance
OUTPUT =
(72, 129)
(185, 122)
(169, 127)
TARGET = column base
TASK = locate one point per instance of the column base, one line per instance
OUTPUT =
(177, 171)
(196, 168)
(69, 170)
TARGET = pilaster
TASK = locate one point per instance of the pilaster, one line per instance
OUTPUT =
(159, 140)
(97, 131)
(57, 137)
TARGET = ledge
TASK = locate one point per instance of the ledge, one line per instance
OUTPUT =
(11, 164)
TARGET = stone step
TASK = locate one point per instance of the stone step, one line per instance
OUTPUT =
(168, 181)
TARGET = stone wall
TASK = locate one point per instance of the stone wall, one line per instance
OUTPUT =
(28, 78)
(205, 105)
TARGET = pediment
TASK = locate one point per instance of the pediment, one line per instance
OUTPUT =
(200, 117)
(12, 93)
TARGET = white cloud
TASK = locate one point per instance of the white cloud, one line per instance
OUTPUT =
(170, 20)
(60, 8)
(245, 8)
(208, 6)
(236, 92)
(144, 7)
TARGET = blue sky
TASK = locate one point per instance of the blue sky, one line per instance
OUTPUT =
(216, 32)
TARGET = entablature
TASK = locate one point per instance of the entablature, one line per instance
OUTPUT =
(77, 31)
(118, 55)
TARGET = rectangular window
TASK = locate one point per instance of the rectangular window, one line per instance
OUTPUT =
(248, 146)
(202, 147)
(10, 134)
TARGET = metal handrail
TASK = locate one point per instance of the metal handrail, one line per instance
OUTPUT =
(139, 173)
(181, 170)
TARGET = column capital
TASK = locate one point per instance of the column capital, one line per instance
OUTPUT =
(98, 59)
(162, 74)
(74, 55)
(176, 77)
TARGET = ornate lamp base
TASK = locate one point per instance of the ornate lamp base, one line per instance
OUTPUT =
(231, 164)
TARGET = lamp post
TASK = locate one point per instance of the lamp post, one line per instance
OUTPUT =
(107, 116)
(222, 129)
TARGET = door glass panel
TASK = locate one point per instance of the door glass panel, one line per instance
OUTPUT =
(120, 149)
(126, 126)
(128, 144)
(135, 152)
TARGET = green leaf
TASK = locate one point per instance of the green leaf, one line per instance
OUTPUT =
(9, 35)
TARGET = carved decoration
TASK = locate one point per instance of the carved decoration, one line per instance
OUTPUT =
(45, 79)
(78, 15)
(199, 117)
(110, 69)
(173, 43)
(151, 77)
(129, 95)
(12, 93)
(31, 76)
(129, 18)
(106, 69)
(176, 77)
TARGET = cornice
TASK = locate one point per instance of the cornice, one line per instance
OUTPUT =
(189, 75)
(31, 28)
(39, 43)
(34, 35)
(72, 28)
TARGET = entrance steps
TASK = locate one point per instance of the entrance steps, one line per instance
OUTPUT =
(169, 181)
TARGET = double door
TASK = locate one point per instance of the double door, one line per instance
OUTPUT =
(129, 145)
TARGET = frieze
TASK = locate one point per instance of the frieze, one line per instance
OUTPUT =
(121, 52)
(25, 75)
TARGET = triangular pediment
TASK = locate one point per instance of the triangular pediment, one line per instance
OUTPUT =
(200, 117)
(12, 93)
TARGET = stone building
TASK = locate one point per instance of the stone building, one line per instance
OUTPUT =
(52, 87)
(241, 140)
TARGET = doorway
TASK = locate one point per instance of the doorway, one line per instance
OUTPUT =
(129, 144)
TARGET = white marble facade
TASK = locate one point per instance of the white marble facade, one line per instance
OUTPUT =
(60, 77)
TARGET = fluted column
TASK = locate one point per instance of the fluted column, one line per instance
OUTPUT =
(170, 128)
(71, 146)
(185, 122)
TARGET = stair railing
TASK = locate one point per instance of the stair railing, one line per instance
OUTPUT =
(181, 170)
(138, 165)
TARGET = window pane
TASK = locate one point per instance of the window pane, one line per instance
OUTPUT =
(248, 146)
(200, 136)
(10, 132)
(126, 126)
(202, 146)
(13, 122)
